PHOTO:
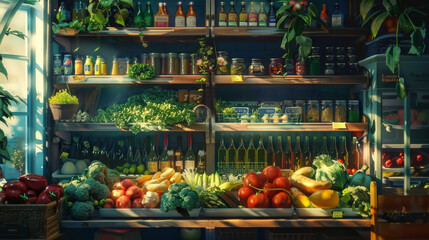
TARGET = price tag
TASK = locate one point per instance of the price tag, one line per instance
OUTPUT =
(236, 78)
(64, 155)
(78, 78)
(337, 214)
(241, 110)
(339, 125)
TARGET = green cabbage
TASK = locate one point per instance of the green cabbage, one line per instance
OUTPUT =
(330, 170)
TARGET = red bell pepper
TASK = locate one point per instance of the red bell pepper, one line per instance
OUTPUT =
(35, 182)
(32, 196)
(2, 197)
(48, 196)
(14, 196)
(56, 187)
(16, 185)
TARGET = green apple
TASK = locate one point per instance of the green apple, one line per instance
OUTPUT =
(126, 165)
(132, 170)
(133, 165)
(126, 171)
(146, 172)
(140, 168)
(120, 169)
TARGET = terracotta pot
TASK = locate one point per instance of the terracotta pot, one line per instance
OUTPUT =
(63, 111)
(391, 23)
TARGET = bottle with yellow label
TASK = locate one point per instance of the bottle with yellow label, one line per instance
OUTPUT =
(89, 66)
(115, 68)
(98, 66)
(78, 66)
(103, 67)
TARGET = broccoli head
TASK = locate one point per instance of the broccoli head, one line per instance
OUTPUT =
(179, 196)
(190, 199)
(69, 192)
(97, 170)
(81, 210)
(102, 192)
(82, 192)
(111, 178)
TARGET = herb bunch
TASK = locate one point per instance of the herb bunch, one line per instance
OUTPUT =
(141, 72)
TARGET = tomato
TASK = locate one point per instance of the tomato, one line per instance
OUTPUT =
(263, 178)
(282, 182)
(341, 161)
(272, 173)
(123, 202)
(388, 163)
(254, 180)
(269, 194)
(349, 171)
(281, 200)
(353, 171)
(244, 193)
(258, 200)
(400, 162)
(249, 174)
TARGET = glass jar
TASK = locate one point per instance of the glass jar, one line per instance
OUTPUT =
(329, 50)
(330, 58)
(315, 50)
(351, 50)
(224, 64)
(341, 58)
(353, 112)
(256, 68)
(340, 50)
(195, 69)
(329, 69)
(275, 67)
(353, 68)
(290, 67)
(301, 67)
(185, 64)
(341, 68)
(301, 104)
(164, 63)
(238, 67)
(58, 63)
(68, 64)
(327, 111)
(172, 64)
(144, 58)
(314, 65)
(155, 63)
(351, 58)
(340, 111)
(312, 111)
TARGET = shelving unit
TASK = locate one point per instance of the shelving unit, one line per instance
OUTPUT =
(110, 127)
(299, 127)
(292, 80)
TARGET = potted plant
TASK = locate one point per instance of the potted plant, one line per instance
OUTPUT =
(293, 19)
(406, 16)
(63, 105)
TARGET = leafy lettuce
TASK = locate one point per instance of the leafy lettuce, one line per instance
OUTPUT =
(330, 170)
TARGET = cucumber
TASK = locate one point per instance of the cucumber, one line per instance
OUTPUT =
(217, 179)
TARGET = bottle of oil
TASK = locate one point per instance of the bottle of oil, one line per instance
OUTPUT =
(297, 154)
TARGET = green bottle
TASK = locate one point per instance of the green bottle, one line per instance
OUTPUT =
(231, 154)
(148, 16)
(139, 18)
(261, 154)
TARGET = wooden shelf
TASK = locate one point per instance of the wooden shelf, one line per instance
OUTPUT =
(216, 223)
(301, 127)
(123, 80)
(294, 80)
(274, 32)
(134, 32)
(110, 127)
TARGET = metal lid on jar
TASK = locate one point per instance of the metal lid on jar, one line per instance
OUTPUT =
(172, 54)
(222, 53)
(313, 101)
(326, 102)
(299, 102)
(276, 59)
(67, 55)
(238, 59)
(154, 54)
(183, 55)
(163, 54)
(258, 60)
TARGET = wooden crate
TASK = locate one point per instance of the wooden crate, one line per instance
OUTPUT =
(31, 221)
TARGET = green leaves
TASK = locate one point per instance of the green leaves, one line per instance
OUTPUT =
(400, 89)
(2, 68)
(314, 12)
(365, 7)
(392, 57)
(283, 9)
(106, 3)
(376, 24)
(417, 42)
(305, 44)
(126, 3)
(141, 72)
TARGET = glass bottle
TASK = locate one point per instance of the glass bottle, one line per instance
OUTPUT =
(65, 11)
(222, 154)
(289, 154)
(78, 66)
(232, 16)
(115, 66)
(148, 16)
(355, 155)
(324, 146)
(179, 18)
(164, 8)
(104, 152)
(190, 158)
(324, 16)
(80, 12)
(179, 156)
(279, 159)
(297, 154)
(75, 10)
(272, 20)
(231, 154)
(353, 112)
(315, 150)
(262, 18)
(223, 16)
(276, 66)
(306, 155)
(191, 16)
(270, 152)
(86, 149)
(130, 155)
(337, 17)
(146, 151)
(152, 164)
(164, 159)
(138, 158)
(250, 154)
(97, 70)
(89, 66)
(139, 18)
(253, 16)
(201, 166)
(333, 152)
(261, 155)
(96, 151)
(343, 154)
(243, 16)
(241, 153)
(161, 18)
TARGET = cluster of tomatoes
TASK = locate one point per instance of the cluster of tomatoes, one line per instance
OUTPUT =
(267, 189)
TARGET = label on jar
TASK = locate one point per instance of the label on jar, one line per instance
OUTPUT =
(223, 19)
(152, 166)
(191, 21)
(57, 66)
(189, 164)
(232, 20)
(179, 21)
(253, 20)
(67, 66)
(161, 21)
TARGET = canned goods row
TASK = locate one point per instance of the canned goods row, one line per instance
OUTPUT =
(171, 63)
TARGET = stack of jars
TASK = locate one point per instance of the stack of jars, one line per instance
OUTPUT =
(340, 61)
(332, 111)
(171, 63)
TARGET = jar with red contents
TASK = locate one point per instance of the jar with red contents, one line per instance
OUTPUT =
(276, 66)
(300, 67)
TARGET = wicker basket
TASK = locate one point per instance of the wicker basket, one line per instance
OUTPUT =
(30, 221)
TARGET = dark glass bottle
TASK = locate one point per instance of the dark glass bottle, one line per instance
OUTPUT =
(179, 156)
(148, 16)
(261, 154)
(333, 152)
(306, 155)
(279, 159)
(232, 16)
(164, 159)
(75, 151)
(343, 154)
(324, 146)
(270, 152)
(272, 16)
(289, 154)
(297, 154)
(190, 158)
(231, 154)
(153, 158)
(139, 18)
